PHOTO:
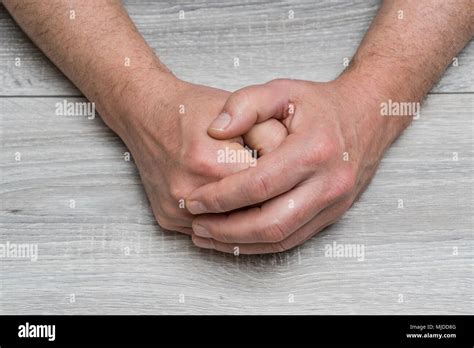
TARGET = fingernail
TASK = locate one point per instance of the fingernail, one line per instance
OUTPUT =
(196, 207)
(221, 122)
(201, 231)
(204, 243)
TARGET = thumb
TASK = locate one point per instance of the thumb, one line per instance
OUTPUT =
(248, 106)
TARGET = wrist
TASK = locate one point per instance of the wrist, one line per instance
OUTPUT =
(378, 101)
(126, 106)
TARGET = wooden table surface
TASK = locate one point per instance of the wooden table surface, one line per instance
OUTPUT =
(107, 255)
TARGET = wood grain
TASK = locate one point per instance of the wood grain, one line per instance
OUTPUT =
(202, 47)
(112, 256)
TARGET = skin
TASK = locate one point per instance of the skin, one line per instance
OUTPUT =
(337, 135)
(301, 182)
(103, 54)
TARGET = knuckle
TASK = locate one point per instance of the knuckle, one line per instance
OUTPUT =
(295, 240)
(165, 223)
(310, 158)
(276, 232)
(322, 152)
(176, 192)
(278, 131)
(169, 210)
(223, 236)
(195, 157)
(238, 99)
(277, 82)
(344, 182)
(284, 245)
(275, 248)
(328, 150)
(345, 206)
(201, 164)
(217, 201)
(258, 189)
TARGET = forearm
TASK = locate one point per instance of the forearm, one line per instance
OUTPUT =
(96, 45)
(406, 50)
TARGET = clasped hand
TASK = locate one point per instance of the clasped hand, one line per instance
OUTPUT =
(317, 147)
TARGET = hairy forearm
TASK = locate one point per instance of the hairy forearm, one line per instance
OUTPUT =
(406, 50)
(96, 45)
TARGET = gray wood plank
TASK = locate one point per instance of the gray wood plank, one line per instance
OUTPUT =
(111, 255)
(202, 47)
